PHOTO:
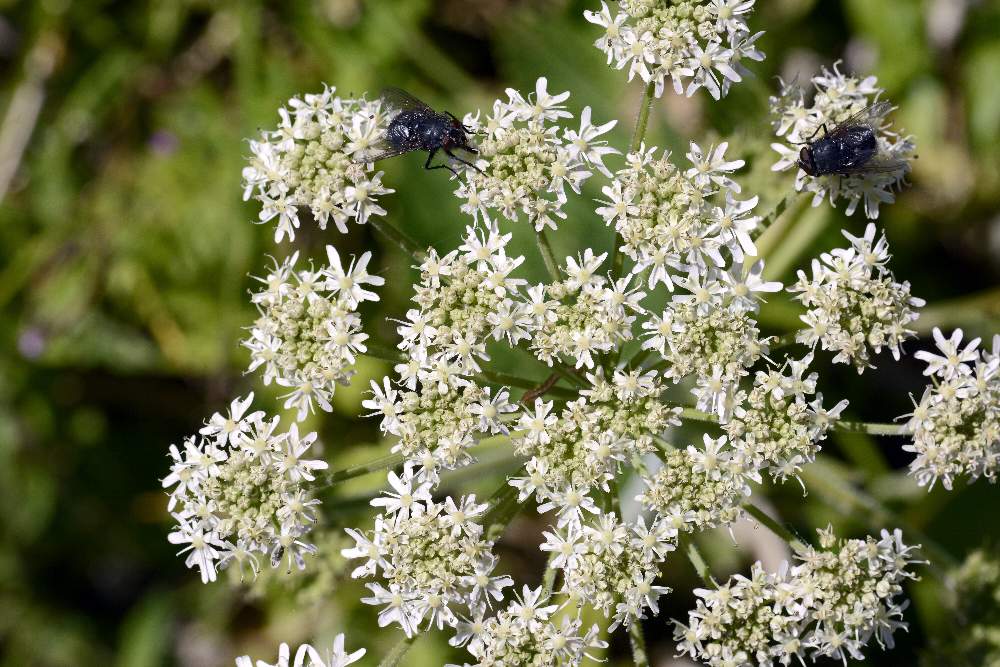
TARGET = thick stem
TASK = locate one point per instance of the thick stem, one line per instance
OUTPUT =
(642, 120)
(398, 237)
(700, 566)
(397, 652)
(638, 642)
(781, 531)
(549, 257)
(384, 463)
(873, 429)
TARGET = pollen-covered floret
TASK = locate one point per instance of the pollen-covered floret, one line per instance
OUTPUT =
(855, 306)
(669, 219)
(308, 162)
(839, 97)
(433, 557)
(241, 489)
(527, 160)
(698, 488)
(308, 333)
(583, 316)
(611, 565)
(525, 634)
(830, 604)
(464, 300)
(582, 447)
(690, 43)
(436, 423)
(776, 427)
(956, 423)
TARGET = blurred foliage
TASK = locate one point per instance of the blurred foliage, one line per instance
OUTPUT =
(126, 251)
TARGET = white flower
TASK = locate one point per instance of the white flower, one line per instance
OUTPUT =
(697, 42)
(953, 359)
(308, 334)
(236, 500)
(855, 306)
(527, 161)
(838, 98)
(309, 161)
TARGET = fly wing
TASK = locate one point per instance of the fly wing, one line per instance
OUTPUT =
(882, 163)
(398, 99)
(872, 115)
(380, 152)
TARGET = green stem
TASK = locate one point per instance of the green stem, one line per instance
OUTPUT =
(781, 531)
(503, 507)
(642, 120)
(383, 463)
(549, 257)
(775, 213)
(398, 237)
(397, 652)
(698, 416)
(638, 135)
(873, 429)
(700, 566)
(638, 642)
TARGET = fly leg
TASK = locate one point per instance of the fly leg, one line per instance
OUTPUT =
(811, 136)
(430, 156)
(465, 162)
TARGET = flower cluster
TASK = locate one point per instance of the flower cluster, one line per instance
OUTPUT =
(693, 43)
(307, 656)
(463, 299)
(612, 565)
(956, 424)
(309, 331)
(526, 160)
(775, 427)
(240, 489)
(698, 489)
(855, 306)
(583, 447)
(666, 216)
(524, 634)
(433, 557)
(311, 161)
(435, 426)
(830, 604)
(840, 97)
(581, 316)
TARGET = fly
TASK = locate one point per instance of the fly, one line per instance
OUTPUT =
(414, 126)
(851, 147)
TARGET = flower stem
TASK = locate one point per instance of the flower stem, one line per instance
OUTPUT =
(638, 135)
(775, 213)
(700, 566)
(545, 248)
(781, 531)
(398, 237)
(397, 652)
(642, 120)
(873, 429)
(503, 507)
(638, 642)
(383, 463)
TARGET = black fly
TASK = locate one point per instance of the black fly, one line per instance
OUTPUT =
(851, 147)
(414, 126)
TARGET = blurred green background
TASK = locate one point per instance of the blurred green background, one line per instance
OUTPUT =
(125, 251)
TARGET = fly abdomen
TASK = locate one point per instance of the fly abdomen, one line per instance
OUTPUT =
(844, 151)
